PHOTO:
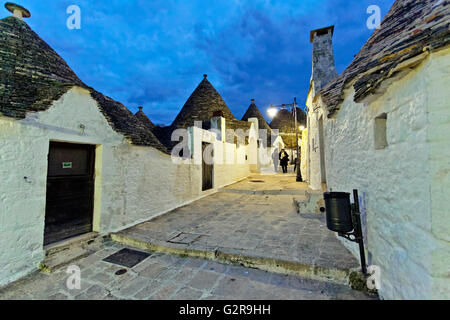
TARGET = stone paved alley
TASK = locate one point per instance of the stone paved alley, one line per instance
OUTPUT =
(252, 222)
(244, 242)
(163, 276)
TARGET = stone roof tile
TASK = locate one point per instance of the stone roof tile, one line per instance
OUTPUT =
(284, 120)
(33, 76)
(253, 112)
(144, 119)
(409, 28)
(203, 102)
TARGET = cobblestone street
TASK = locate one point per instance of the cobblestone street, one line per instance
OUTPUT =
(163, 276)
(251, 222)
(262, 226)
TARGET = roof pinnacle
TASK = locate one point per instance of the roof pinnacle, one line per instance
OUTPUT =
(17, 10)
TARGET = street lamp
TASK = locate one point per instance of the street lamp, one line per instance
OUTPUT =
(272, 111)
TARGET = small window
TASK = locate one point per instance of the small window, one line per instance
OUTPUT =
(380, 132)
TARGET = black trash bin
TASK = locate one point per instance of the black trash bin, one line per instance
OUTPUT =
(338, 211)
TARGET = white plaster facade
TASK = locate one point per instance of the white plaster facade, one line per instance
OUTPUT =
(403, 187)
(132, 183)
(304, 167)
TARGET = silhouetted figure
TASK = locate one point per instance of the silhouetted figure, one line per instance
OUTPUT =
(275, 158)
(284, 160)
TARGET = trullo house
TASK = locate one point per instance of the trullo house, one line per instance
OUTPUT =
(73, 161)
(383, 127)
(269, 144)
(284, 122)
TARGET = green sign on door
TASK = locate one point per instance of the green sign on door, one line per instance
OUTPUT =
(67, 165)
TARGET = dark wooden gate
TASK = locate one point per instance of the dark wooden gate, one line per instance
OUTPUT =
(207, 167)
(70, 191)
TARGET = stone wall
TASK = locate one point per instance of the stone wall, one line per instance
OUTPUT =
(23, 167)
(314, 165)
(438, 136)
(323, 67)
(132, 183)
(403, 185)
(304, 165)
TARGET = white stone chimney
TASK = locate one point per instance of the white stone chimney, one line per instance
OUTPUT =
(17, 10)
(323, 67)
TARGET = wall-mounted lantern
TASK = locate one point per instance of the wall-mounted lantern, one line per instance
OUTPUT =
(345, 219)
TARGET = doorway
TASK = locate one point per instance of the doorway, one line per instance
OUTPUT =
(207, 166)
(70, 191)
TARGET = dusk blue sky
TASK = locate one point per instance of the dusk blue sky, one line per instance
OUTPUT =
(154, 52)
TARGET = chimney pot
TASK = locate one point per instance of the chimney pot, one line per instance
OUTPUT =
(17, 10)
(205, 76)
(320, 32)
(140, 108)
(323, 66)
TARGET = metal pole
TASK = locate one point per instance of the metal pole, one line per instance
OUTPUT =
(295, 125)
(299, 174)
(358, 230)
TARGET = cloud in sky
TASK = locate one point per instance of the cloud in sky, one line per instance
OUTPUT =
(154, 53)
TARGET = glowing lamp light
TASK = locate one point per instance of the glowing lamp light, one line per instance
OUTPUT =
(272, 112)
(302, 128)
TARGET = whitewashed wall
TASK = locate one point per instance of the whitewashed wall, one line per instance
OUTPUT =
(23, 151)
(143, 183)
(133, 183)
(304, 161)
(438, 136)
(313, 157)
(404, 187)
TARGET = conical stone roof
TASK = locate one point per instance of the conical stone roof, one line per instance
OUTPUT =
(285, 124)
(201, 106)
(253, 112)
(284, 120)
(144, 119)
(33, 76)
(203, 102)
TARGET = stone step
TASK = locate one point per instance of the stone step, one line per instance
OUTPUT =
(236, 256)
(311, 203)
(300, 193)
(65, 252)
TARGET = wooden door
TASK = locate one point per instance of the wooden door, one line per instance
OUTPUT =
(70, 191)
(207, 166)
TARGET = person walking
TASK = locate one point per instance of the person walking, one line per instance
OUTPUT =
(284, 160)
